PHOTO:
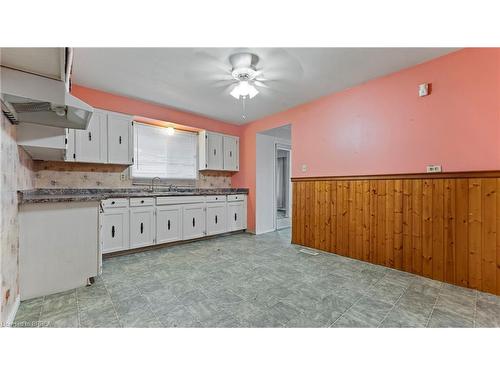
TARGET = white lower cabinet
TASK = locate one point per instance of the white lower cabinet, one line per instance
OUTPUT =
(216, 218)
(114, 230)
(168, 223)
(193, 221)
(140, 222)
(142, 226)
(235, 217)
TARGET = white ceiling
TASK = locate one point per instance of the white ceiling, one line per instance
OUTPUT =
(182, 77)
(282, 132)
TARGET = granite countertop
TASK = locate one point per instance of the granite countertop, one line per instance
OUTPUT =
(89, 195)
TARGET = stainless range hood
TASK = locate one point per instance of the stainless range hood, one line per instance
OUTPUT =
(35, 99)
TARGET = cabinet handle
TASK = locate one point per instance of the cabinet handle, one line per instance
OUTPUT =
(194, 222)
(215, 219)
(168, 224)
(90, 136)
(142, 201)
(235, 216)
(230, 154)
(142, 228)
(113, 231)
(120, 139)
(215, 151)
(113, 202)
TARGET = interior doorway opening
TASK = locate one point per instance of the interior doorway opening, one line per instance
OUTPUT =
(283, 186)
(273, 200)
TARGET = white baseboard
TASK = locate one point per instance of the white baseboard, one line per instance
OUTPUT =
(265, 231)
(13, 312)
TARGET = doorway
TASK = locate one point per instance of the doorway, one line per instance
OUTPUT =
(268, 144)
(282, 186)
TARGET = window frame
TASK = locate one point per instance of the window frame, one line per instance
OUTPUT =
(141, 180)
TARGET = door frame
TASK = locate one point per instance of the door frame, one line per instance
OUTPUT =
(287, 147)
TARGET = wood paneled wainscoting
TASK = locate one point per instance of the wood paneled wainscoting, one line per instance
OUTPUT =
(444, 226)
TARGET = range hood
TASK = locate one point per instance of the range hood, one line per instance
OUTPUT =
(35, 99)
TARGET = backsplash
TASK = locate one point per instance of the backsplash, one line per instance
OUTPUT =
(54, 174)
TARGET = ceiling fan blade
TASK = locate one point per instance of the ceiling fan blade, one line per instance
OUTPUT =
(259, 83)
(279, 64)
(206, 67)
(223, 82)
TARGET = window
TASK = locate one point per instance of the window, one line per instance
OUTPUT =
(157, 154)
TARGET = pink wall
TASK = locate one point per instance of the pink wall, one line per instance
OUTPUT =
(145, 111)
(383, 127)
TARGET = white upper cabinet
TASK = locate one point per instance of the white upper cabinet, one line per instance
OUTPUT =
(120, 139)
(218, 152)
(231, 154)
(91, 144)
(108, 140)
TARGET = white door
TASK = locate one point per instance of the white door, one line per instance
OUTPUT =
(114, 230)
(235, 215)
(119, 139)
(230, 153)
(141, 226)
(193, 221)
(168, 223)
(90, 143)
(215, 157)
(216, 218)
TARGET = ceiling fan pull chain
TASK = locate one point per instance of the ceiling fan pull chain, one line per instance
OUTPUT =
(244, 116)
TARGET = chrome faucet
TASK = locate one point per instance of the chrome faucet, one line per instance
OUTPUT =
(153, 183)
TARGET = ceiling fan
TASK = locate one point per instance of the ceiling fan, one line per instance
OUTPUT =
(244, 74)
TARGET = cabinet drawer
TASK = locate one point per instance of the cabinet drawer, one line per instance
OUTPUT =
(180, 199)
(137, 202)
(236, 197)
(216, 198)
(115, 202)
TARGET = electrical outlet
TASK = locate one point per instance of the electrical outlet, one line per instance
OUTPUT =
(304, 167)
(434, 169)
(123, 176)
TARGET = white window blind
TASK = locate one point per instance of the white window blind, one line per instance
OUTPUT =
(157, 154)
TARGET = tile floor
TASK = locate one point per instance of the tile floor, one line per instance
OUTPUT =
(257, 281)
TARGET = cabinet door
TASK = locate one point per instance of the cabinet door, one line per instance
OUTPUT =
(215, 157)
(90, 143)
(70, 154)
(235, 216)
(119, 139)
(168, 223)
(231, 153)
(216, 218)
(114, 230)
(141, 226)
(193, 221)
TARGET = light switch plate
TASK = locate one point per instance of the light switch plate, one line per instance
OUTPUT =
(434, 169)
(304, 167)
(423, 89)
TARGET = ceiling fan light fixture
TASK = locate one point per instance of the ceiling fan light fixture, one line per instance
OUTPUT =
(244, 89)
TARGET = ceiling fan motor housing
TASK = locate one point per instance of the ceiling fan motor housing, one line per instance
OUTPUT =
(244, 66)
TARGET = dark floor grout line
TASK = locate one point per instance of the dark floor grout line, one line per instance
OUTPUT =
(363, 294)
(434, 306)
(78, 309)
(476, 295)
(395, 304)
(113, 305)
